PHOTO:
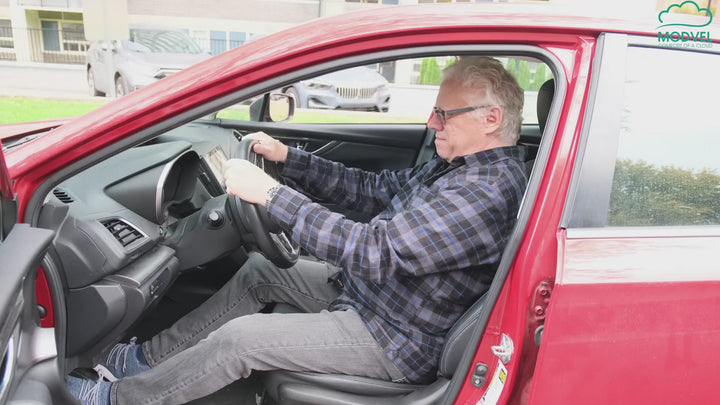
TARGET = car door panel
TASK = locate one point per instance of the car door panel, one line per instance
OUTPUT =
(27, 348)
(628, 310)
(632, 314)
(367, 146)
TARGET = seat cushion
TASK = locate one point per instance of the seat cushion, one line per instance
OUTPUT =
(345, 383)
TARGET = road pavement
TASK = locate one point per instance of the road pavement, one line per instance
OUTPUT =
(43, 80)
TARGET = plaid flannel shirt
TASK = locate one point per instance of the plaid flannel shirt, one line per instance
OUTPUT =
(430, 251)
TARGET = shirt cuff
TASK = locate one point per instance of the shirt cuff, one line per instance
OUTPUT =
(284, 206)
(296, 164)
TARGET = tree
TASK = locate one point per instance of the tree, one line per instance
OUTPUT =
(512, 67)
(644, 195)
(539, 79)
(523, 74)
(429, 72)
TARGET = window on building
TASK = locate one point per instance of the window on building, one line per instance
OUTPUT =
(667, 171)
(63, 36)
(236, 39)
(50, 35)
(73, 37)
(218, 42)
(6, 34)
(221, 41)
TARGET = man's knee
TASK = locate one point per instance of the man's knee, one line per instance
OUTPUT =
(240, 334)
(255, 270)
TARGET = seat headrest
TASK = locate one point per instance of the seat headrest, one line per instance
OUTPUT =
(544, 101)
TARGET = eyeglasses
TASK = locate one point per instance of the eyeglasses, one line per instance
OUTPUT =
(444, 115)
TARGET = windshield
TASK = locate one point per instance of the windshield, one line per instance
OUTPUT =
(160, 41)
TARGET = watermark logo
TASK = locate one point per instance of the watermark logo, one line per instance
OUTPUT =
(675, 20)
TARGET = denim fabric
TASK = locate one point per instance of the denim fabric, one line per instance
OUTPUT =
(224, 340)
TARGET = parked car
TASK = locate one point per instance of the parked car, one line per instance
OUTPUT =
(149, 54)
(607, 292)
(358, 88)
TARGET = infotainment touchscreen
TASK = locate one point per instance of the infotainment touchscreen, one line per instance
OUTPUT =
(214, 160)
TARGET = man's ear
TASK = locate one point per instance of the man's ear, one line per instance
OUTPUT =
(493, 118)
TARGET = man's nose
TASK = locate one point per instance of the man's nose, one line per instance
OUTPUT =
(434, 122)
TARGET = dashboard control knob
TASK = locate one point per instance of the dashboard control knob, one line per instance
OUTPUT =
(215, 218)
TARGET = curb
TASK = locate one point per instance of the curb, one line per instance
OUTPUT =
(39, 65)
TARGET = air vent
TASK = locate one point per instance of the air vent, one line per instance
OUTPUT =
(122, 231)
(63, 196)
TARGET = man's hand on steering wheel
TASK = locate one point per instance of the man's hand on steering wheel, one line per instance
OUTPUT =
(247, 181)
(248, 186)
(269, 147)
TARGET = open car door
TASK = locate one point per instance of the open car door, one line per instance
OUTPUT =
(28, 354)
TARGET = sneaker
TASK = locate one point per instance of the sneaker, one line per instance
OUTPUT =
(124, 360)
(90, 392)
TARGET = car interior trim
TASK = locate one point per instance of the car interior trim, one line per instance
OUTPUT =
(7, 370)
(160, 210)
(332, 132)
(54, 280)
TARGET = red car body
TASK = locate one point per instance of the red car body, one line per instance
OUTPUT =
(627, 318)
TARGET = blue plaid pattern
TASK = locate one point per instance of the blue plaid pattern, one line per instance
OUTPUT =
(430, 251)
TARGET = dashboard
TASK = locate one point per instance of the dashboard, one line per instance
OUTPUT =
(126, 227)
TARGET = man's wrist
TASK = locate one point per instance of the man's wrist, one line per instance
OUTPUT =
(270, 194)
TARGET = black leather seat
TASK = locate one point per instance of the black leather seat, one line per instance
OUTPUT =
(544, 101)
(287, 387)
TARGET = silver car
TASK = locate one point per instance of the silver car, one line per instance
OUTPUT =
(358, 88)
(149, 55)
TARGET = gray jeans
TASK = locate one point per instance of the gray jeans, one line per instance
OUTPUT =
(224, 339)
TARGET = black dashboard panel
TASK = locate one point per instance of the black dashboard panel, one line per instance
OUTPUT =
(118, 193)
(118, 225)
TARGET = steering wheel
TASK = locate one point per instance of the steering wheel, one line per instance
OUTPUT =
(270, 239)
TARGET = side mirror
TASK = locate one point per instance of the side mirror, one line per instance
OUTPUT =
(272, 107)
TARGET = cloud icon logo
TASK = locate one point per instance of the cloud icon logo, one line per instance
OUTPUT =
(666, 17)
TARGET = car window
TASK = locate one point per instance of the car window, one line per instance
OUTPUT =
(667, 171)
(161, 41)
(401, 91)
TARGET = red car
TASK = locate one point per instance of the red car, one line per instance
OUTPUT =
(608, 289)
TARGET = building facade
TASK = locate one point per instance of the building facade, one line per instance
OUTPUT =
(52, 31)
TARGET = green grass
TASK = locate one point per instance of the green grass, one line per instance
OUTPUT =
(24, 109)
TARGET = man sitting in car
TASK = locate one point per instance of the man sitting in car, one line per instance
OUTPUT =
(402, 280)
